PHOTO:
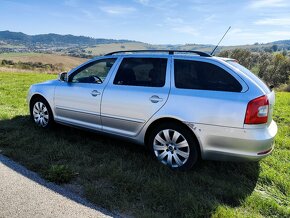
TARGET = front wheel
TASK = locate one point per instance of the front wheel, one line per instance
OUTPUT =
(41, 113)
(174, 145)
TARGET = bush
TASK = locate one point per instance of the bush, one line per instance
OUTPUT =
(6, 62)
(33, 65)
(287, 88)
(59, 174)
(273, 68)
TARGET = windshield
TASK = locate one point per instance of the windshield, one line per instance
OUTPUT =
(249, 74)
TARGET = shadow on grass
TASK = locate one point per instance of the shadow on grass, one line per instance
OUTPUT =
(122, 177)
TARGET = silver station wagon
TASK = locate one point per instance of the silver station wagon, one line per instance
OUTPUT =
(183, 105)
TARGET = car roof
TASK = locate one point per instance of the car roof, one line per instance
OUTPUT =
(170, 52)
(160, 55)
(157, 54)
(226, 59)
(187, 54)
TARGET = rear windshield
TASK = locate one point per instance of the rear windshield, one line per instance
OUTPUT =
(250, 74)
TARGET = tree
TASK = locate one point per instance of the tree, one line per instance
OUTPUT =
(243, 56)
(273, 68)
(274, 48)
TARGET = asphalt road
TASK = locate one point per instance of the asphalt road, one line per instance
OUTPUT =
(24, 194)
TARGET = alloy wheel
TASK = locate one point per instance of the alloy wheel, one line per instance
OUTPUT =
(171, 148)
(40, 114)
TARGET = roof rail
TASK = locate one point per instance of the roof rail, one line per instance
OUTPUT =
(202, 54)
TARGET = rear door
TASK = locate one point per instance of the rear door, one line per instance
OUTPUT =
(139, 89)
(206, 92)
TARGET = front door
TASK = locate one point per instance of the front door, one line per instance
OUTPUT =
(78, 101)
(138, 90)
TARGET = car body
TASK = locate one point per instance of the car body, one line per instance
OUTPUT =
(222, 108)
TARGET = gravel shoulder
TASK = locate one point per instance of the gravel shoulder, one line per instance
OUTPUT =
(24, 194)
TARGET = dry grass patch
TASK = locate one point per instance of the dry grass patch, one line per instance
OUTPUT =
(67, 61)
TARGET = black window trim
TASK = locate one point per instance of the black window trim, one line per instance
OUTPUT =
(145, 57)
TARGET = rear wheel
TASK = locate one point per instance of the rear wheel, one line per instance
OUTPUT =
(41, 113)
(174, 145)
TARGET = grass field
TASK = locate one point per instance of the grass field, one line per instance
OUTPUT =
(67, 61)
(102, 49)
(123, 178)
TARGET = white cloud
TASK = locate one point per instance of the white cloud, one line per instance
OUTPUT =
(279, 33)
(210, 18)
(175, 20)
(186, 29)
(117, 10)
(249, 36)
(243, 35)
(274, 21)
(71, 3)
(167, 6)
(143, 2)
(256, 4)
(235, 30)
(88, 14)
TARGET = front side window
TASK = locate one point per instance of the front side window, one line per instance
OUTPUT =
(205, 76)
(95, 72)
(142, 72)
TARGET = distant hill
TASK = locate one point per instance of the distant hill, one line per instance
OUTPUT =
(285, 42)
(85, 47)
(20, 38)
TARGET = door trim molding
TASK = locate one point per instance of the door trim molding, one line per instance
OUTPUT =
(76, 110)
(123, 118)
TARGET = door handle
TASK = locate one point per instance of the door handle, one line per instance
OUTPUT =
(94, 93)
(155, 99)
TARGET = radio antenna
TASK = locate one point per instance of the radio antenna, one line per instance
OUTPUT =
(220, 41)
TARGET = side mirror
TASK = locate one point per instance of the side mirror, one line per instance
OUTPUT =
(62, 76)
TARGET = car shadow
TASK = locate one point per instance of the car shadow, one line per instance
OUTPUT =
(115, 173)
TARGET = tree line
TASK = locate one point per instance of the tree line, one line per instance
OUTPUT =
(273, 68)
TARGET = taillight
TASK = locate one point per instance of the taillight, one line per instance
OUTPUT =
(257, 111)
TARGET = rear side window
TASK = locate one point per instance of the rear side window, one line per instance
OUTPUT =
(205, 76)
(250, 74)
(142, 72)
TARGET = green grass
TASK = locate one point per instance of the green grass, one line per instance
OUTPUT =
(122, 177)
(59, 174)
(17, 54)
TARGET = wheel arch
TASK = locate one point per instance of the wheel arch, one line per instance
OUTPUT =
(171, 120)
(38, 96)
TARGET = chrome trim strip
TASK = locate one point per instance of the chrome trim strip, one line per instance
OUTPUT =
(192, 125)
(75, 110)
(83, 125)
(123, 118)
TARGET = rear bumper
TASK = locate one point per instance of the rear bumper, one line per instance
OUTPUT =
(235, 144)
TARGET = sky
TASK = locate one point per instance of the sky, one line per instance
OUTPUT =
(152, 21)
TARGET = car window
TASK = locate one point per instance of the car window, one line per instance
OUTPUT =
(142, 72)
(205, 76)
(95, 72)
(250, 74)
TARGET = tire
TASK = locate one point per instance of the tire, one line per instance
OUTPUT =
(40, 113)
(174, 145)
